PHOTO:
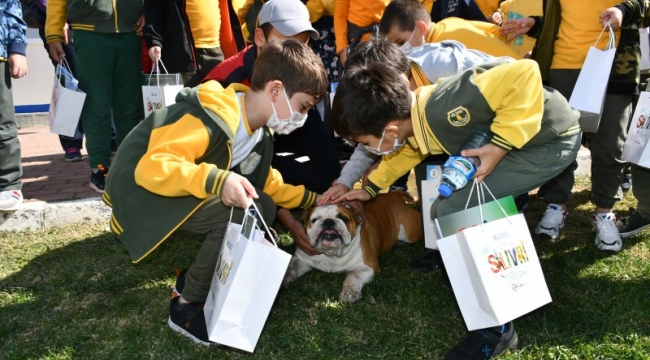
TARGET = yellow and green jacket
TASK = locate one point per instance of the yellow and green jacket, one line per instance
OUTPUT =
(508, 99)
(103, 16)
(477, 35)
(179, 156)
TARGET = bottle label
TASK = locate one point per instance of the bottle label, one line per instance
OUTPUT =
(461, 164)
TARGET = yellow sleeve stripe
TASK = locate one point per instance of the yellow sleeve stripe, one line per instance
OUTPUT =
(571, 131)
(216, 178)
(107, 199)
(310, 200)
(502, 143)
(370, 191)
(85, 27)
(116, 226)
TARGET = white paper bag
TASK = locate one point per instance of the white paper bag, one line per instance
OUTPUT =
(246, 280)
(429, 195)
(161, 90)
(588, 95)
(644, 41)
(66, 104)
(495, 272)
(636, 149)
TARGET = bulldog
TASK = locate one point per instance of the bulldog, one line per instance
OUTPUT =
(351, 238)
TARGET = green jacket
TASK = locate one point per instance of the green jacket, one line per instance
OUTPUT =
(625, 75)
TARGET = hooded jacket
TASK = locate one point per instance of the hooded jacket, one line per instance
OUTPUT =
(12, 29)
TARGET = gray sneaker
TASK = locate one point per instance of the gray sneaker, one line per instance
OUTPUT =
(632, 224)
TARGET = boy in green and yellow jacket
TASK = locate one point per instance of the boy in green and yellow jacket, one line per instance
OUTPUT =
(534, 136)
(186, 166)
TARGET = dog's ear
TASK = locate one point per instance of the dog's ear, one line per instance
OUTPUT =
(357, 210)
(305, 215)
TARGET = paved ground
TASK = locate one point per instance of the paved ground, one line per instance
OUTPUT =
(46, 176)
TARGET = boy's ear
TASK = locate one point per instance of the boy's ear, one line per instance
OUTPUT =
(392, 129)
(259, 38)
(274, 89)
(422, 28)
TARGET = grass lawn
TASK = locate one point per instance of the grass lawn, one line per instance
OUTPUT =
(72, 293)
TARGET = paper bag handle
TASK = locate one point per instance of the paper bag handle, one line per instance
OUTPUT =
(261, 219)
(611, 44)
(63, 62)
(480, 188)
(155, 67)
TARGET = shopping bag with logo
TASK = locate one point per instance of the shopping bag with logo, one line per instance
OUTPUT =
(429, 188)
(246, 280)
(67, 102)
(636, 149)
(163, 91)
(494, 271)
(588, 95)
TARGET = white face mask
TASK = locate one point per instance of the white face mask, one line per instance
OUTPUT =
(377, 150)
(286, 126)
(407, 48)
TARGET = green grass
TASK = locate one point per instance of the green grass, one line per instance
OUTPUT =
(72, 293)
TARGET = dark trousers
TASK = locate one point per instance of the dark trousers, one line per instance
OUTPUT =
(11, 170)
(66, 141)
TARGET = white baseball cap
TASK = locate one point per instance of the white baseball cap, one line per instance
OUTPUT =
(289, 17)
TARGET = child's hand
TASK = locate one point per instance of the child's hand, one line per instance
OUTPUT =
(490, 156)
(238, 191)
(297, 230)
(516, 27)
(613, 16)
(333, 193)
(358, 194)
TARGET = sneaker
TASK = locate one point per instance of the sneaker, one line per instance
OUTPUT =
(485, 344)
(72, 154)
(552, 221)
(396, 188)
(189, 320)
(632, 224)
(432, 261)
(607, 236)
(98, 179)
(180, 283)
(10, 200)
(626, 185)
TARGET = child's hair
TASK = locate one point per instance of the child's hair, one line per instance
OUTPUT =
(403, 14)
(378, 48)
(368, 98)
(294, 64)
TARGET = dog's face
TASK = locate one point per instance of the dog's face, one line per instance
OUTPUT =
(331, 228)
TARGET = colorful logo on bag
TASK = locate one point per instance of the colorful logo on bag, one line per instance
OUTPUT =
(459, 116)
(154, 103)
(508, 259)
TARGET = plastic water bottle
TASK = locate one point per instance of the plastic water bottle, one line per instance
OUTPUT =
(458, 169)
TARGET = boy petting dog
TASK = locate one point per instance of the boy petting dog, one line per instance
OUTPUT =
(186, 165)
(535, 135)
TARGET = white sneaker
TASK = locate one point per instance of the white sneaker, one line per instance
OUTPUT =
(607, 236)
(552, 221)
(10, 200)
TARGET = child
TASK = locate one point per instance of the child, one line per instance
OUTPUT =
(407, 23)
(13, 64)
(535, 136)
(355, 21)
(185, 166)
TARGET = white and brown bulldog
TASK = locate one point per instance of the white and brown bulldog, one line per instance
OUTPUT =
(351, 239)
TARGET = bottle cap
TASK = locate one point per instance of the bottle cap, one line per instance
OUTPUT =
(444, 190)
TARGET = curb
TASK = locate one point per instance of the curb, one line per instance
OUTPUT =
(41, 215)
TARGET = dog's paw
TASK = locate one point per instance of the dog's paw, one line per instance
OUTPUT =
(289, 277)
(350, 295)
